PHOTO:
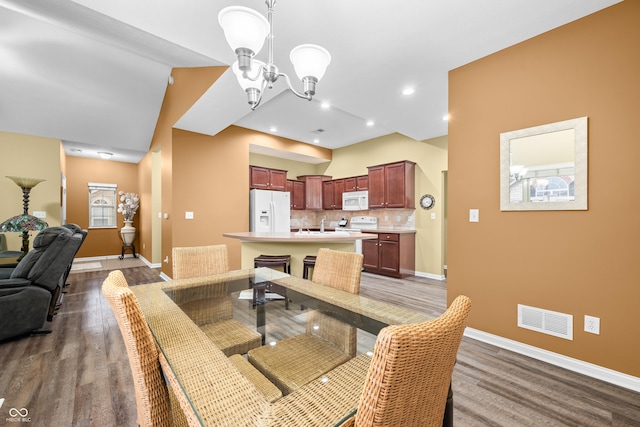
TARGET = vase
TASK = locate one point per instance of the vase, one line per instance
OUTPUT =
(128, 233)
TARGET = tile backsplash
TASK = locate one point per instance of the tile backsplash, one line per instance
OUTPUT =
(387, 218)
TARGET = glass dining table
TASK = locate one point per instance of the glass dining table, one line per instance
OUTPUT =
(277, 306)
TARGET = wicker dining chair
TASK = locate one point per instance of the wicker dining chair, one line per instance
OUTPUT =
(156, 404)
(410, 372)
(212, 309)
(327, 342)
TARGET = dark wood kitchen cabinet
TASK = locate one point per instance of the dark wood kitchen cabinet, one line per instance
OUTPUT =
(267, 179)
(296, 189)
(332, 194)
(392, 185)
(391, 254)
(356, 183)
(313, 190)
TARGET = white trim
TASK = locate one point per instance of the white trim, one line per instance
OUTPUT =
(100, 185)
(575, 365)
(430, 275)
(98, 258)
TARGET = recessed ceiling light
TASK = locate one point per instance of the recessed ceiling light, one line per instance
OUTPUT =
(273, 129)
(445, 117)
(408, 91)
(370, 123)
(316, 141)
(105, 155)
(325, 105)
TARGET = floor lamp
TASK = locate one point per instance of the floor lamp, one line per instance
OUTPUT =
(24, 223)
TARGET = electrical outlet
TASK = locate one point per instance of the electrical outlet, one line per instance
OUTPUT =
(592, 324)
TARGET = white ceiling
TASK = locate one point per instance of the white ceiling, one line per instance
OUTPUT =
(93, 73)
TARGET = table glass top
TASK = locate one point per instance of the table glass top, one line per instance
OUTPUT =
(286, 300)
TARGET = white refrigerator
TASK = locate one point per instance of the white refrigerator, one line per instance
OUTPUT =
(269, 211)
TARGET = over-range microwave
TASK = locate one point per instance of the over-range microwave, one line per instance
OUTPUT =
(355, 201)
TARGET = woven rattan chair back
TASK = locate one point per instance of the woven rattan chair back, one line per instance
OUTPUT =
(410, 372)
(152, 398)
(199, 261)
(340, 270)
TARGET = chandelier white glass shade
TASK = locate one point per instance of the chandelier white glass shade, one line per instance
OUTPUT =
(245, 31)
(253, 88)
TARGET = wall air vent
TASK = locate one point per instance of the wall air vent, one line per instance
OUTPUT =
(546, 321)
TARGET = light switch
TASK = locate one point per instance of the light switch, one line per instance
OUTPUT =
(433, 215)
(188, 215)
(474, 215)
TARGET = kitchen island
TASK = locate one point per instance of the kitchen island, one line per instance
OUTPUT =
(298, 245)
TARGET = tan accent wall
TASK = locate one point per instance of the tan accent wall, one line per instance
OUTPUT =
(32, 157)
(213, 178)
(189, 85)
(576, 262)
(80, 172)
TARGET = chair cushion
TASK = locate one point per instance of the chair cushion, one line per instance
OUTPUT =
(232, 337)
(295, 361)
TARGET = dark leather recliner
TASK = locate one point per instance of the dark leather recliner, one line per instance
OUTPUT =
(56, 302)
(28, 294)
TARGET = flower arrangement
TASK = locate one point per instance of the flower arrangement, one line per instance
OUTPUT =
(128, 205)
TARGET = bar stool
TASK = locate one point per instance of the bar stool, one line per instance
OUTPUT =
(273, 261)
(308, 262)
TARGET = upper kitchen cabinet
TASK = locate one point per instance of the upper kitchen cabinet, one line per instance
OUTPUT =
(356, 183)
(267, 179)
(392, 185)
(296, 188)
(313, 190)
(332, 194)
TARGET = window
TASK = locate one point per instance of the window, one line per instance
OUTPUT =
(102, 205)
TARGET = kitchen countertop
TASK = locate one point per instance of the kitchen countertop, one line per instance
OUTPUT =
(328, 237)
(393, 230)
(402, 230)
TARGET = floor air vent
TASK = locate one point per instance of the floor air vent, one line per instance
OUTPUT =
(546, 321)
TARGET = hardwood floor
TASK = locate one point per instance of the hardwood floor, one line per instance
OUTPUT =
(79, 374)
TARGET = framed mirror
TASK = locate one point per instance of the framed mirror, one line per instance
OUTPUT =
(544, 167)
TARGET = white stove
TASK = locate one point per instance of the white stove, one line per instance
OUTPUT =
(358, 224)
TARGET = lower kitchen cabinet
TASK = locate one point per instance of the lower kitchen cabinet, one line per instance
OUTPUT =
(391, 254)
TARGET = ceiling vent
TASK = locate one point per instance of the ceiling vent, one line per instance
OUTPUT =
(546, 321)
(317, 131)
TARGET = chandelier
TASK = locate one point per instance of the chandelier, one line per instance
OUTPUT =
(245, 31)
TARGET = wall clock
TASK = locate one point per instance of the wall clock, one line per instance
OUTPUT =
(427, 201)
